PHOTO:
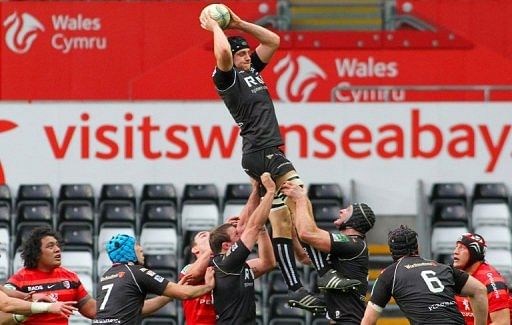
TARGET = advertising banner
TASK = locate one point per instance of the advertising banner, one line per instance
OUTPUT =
(154, 50)
(198, 142)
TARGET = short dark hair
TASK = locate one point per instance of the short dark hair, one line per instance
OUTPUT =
(218, 236)
(403, 241)
(31, 247)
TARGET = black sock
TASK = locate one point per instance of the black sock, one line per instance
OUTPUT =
(285, 257)
(318, 258)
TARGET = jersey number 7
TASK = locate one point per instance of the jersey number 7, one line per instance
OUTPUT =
(107, 287)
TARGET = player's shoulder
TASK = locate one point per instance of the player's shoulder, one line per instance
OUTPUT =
(487, 273)
(185, 269)
(64, 272)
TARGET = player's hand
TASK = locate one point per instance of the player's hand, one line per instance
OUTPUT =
(65, 308)
(207, 22)
(293, 191)
(235, 21)
(267, 181)
(42, 297)
(209, 277)
(184, 279)
(233, 220)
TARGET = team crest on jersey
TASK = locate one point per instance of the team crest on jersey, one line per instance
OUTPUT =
(340, 238)
(66, 284)
(159, 278)
(150, 273)
(234, 247)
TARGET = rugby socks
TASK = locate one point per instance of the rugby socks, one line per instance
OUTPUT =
(285, 257)
(318, 259)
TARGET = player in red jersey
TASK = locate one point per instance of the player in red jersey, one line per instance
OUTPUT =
(42, 273)
(469, 256)
(199, 311)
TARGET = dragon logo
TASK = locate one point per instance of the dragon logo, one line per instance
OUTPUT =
(298, 78)
(5, 126)
(22, 31)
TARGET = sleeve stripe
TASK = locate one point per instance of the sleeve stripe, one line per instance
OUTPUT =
(377, 308)
(496, 287)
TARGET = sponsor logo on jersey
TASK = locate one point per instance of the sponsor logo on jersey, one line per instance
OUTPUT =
(159, 278)
(150, 273)
(340, 238)
(35, 288)
(66, 284)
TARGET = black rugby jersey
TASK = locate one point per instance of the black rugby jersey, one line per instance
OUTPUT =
(248, 100)
(349, 256)
(121, 293)
(233, 295)
(423, 289)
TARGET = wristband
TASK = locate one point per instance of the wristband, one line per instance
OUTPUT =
(19, 318)
(39, 307)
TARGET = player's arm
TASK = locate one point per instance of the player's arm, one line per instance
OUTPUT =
(500, 317)
(307, 229)
(87, 307)
(252, 203)
(196, 270)
(153, 304)
(260, 215)
(221, 47)
(18, 306)
(371, 314)
(266, 260)
(381, 294)
(269, 41)
(477, 294)
(183, 292)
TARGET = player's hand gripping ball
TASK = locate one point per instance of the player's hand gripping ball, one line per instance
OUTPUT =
(219, 13)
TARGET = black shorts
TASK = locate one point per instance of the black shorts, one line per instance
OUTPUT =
(270, 160)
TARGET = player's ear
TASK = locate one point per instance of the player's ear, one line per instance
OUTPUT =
(225, 246)
(195, 250)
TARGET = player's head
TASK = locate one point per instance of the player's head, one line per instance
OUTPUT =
(122, 248)
(403, 241)
(470, 248)
(240, 50)
(358, 216)
(222, 238)
(200, 242)
(41, 249)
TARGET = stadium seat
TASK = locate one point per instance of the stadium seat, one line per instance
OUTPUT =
(161, 261)
(77, 192)
(80, 262)
(77, 234)
(118, 192)
(455, 191)
(327, 191)
(106, 233)
(490, 192)
(276, 283)
(496, 237)
(103, 263)
(159, 240)
(501, 259)
(444, 258)
(490, 214)
(81, 211)
(35, 192)
(170, 309)
(325, 212)
(159, 192)
(201, 192)
(199, 216)
(34, 211)
(449, 213)
(239, 192)
(159, 321)
(88, 283)
(5, 205)
(444, 239)
(17, 262)
(281, 314)
(23, 231)
(163, 212)
(117, 212)
(232, 209)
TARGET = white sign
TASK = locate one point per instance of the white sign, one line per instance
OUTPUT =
(384, 148)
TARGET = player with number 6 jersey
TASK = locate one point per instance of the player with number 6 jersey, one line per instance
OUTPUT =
(123, 288)
(423, 289)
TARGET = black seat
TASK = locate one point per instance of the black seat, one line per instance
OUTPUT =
(118, 192)
(455, 191)
(34, 211)
(35, 192)
(449, 213)
(117, 212)
(24, 229)
(159, 212)
(5, 205)
(159, 192)
(490, 192)
(81, 211)
(161, 262)
(276, 283)
(239, 192)
(77, 192)
(201, 192)
(281, 313)
(77, 234)
(327, 191)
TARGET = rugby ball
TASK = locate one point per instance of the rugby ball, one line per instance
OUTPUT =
(219, 13)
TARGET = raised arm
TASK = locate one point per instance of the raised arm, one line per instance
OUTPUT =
(259, 217)
(221, 47)
(269, 41)
(477, 294)
(266, 260)
(252, 203)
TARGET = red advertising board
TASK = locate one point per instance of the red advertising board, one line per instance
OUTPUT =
(157, 50)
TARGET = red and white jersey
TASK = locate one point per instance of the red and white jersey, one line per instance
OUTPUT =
(61, 284)
(497, 293)
(198, 311)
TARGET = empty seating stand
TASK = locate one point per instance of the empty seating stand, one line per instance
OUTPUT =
(235, 198)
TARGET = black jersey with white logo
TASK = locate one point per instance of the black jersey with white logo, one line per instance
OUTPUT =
(233, 295)
(248, 100)
(423, 289)
(121, 293)
(348, 256)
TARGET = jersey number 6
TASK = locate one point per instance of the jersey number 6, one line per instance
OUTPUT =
(432, 281)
